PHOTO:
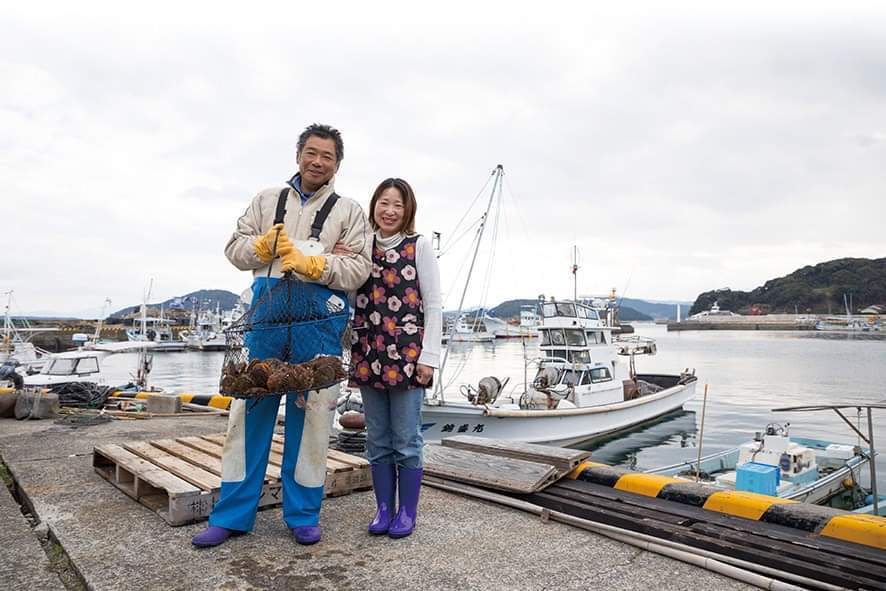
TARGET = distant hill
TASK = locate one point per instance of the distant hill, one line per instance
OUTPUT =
(202, 298)
(511, 309)
(655, 309)
(817, 289)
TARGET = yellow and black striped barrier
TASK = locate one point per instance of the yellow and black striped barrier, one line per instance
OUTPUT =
(211, 400)
(869, 530)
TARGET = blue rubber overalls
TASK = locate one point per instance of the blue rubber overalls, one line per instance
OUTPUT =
(251, 422)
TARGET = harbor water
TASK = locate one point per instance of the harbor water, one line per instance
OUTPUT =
(748, 373)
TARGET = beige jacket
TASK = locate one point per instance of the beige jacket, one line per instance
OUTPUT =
(346, 223)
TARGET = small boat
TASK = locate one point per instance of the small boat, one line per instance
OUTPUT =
(206, 332)
(800, 469)
(470, 328)
(157, 331)
(574, 395)
(715, 313)
(15, 344)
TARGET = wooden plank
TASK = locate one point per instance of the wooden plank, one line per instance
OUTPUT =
(135, 465)
(201, 444)
(496, 472)
(346, 458)
(198, 458)
(563, 459)
(184, 470)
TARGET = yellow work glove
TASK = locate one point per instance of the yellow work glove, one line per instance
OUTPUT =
(264, 244)
(308, 266)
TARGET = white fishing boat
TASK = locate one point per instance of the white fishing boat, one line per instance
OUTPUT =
(15, 344)
(574, 395)
(156, 330)
(83, 365)
(206, 332)
(799, 468)
(470, 328)
(527, 327)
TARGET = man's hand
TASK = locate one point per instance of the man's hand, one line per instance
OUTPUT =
(423, 373)
(308, 266)
(264, 244)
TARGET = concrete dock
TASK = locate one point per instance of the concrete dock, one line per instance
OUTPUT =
(113, 542)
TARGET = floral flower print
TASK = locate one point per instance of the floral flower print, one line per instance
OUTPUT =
(375, 317)
(408, 272)
(361, 300)
(411, 298)
(411, 352)
(378, 343)
(391, 256)
(378, 294)
(394, 304)
(376, 367)
(362, 372)
(376, 271)
(392, 353)
(410, 328)
(389, 325)
(408, 251)
(390, 277)
(409, 369)
(391, 375)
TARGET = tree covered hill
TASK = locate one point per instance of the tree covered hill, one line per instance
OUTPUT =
(206, 298)
(817, 289)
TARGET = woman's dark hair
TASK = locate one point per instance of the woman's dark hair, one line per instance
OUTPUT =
(409, 205)
(325, 132)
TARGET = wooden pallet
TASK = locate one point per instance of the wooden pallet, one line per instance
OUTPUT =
(180, 479)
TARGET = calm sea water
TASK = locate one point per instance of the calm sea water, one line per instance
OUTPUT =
(748, 373)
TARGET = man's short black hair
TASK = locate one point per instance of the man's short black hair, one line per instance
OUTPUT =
(327, 132)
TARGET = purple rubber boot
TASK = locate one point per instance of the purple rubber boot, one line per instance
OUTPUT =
(306, 534)
(409, 485)
(384, 484)
(212, 536)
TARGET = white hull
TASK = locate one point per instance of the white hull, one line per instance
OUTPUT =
(471, 337)
(555, 427)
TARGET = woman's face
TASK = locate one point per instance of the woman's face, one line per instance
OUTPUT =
(389, 211)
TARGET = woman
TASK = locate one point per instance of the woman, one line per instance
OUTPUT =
(396, 347)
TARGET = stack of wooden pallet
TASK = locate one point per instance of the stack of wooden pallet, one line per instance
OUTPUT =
(502, 465)
(180, 478)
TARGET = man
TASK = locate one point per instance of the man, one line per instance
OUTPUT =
(315, 219)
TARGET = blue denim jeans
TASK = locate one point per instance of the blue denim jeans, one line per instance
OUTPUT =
(393, 426)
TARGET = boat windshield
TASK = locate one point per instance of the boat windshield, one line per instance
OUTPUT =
(575, 337)
(553, 309)
(69, 366)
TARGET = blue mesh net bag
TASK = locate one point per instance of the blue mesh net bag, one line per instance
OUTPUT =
(294, 338)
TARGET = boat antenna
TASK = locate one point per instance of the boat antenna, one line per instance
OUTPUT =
(575, 268)
(498, 173)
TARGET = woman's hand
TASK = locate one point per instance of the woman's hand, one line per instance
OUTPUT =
(423, 373)
(341, 249)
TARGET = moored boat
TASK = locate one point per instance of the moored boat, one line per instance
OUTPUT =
(795, 468)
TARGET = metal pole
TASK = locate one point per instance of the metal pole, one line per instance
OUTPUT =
(873, 461)
(704, 406)
(498, 172)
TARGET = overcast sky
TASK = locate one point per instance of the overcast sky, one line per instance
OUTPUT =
(679, 150)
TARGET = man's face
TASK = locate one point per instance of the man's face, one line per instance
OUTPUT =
(316, 163)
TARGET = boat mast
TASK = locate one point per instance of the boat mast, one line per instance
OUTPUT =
(575, 273)
(497, 183)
